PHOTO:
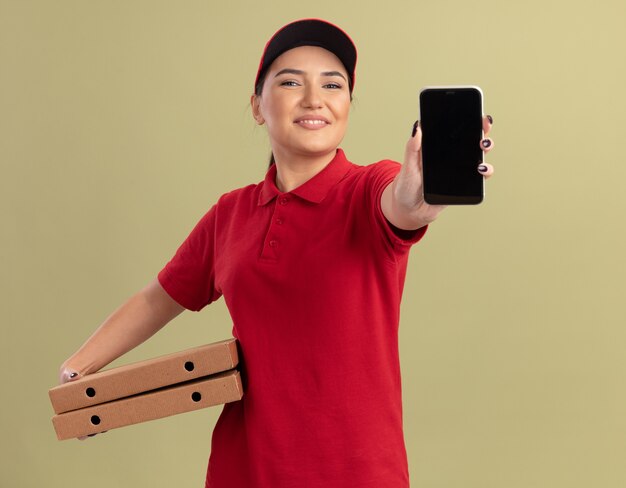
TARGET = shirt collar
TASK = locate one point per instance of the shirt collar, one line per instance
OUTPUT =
(313, 190)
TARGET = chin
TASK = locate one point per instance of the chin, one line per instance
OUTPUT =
(318, 151)
(320, 148)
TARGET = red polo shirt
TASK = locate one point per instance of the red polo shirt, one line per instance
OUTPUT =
(313, 280)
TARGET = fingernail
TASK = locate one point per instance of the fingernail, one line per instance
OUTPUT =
(486, 143)
(490, 119)
(482, 168)
(415, 126)
(73, 375)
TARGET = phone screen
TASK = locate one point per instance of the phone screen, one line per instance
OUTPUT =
(451, 120)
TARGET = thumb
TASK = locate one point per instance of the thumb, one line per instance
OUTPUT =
(68, 374)
(412, 153)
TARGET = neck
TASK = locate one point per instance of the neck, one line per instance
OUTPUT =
(292, 172)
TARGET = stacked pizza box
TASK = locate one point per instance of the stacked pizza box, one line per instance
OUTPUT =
(168, 385)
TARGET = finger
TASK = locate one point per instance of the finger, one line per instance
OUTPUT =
(487, 123)
(486, 144)
(485, 169)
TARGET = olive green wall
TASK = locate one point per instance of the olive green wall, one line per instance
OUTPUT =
(122, 121)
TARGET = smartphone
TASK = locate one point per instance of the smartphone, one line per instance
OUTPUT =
(451, 118)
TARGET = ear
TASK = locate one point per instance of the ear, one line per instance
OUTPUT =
(255, 102)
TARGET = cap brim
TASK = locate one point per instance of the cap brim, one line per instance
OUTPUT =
(310, 32)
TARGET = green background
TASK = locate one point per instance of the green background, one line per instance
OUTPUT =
(121, 122)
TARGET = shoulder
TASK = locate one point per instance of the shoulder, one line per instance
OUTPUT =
(385, 166)
(244, 195)
(227, 203)
(382, 167)
(378, 174)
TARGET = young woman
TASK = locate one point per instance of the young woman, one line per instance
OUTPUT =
(311, 262)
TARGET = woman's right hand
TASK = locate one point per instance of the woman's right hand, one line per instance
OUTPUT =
(135, 321)
(67, 374)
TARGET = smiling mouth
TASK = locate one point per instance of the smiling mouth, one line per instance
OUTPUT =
(312, 123)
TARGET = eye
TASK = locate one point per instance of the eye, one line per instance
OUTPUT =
(289, 83)
(333, 86)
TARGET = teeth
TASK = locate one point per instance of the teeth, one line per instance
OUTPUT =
(315, 122)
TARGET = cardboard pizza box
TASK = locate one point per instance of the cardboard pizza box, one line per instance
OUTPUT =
(186, 397)
(143, 376)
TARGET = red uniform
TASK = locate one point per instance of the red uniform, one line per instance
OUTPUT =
(313, 280)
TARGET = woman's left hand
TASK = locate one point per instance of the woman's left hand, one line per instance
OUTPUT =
(403, 201)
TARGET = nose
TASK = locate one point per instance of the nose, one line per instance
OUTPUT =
(312, 97)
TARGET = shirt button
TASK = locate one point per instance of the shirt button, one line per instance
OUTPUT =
(273, 243)
(279, 221)
(283, 201)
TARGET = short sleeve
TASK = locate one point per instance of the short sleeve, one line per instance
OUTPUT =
(381, 175)
(189, 277)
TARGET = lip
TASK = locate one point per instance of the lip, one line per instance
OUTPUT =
(312, 121)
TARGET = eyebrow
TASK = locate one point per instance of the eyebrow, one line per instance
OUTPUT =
(300, 72)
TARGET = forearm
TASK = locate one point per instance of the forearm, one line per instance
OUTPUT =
(135, 321)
